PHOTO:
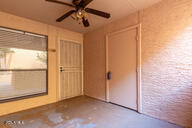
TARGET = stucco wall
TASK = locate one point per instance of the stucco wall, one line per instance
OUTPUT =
(166, 60)
(94, 70)
(54, 33)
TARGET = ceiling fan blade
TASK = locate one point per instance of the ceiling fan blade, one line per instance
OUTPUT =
(84, 3)
(60, 2)
(85, 22)
(98, 13)
(65, 16)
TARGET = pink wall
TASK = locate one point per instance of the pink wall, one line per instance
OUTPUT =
(166, 60)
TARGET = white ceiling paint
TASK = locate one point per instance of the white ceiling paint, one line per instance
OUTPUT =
(47, 12)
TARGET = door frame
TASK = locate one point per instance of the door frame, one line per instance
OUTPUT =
(138, 69)
(58, 67)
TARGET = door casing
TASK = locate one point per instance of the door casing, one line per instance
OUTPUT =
(139, 96)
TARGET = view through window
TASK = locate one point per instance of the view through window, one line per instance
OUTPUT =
(23, 64)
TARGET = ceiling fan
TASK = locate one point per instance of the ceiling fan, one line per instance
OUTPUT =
(80, 11)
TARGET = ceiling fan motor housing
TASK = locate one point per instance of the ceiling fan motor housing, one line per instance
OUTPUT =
(81, 13)
(76, 2)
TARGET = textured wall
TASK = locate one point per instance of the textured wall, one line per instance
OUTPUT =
(166, 60)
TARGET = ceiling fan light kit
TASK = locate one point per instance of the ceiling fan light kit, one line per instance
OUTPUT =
(80, 11)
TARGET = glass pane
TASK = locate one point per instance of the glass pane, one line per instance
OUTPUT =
(14, 58)
(21, 83)
(23, 64)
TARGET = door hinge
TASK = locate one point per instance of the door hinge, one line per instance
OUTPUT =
(137, 38)
(137, 69)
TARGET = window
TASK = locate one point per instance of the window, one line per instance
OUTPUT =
(23, 64)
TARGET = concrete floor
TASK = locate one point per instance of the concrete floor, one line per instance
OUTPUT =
(82, 112)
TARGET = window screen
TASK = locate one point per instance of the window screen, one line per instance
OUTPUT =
(23, 64)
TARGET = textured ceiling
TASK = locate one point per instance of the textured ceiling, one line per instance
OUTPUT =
(47, 12)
